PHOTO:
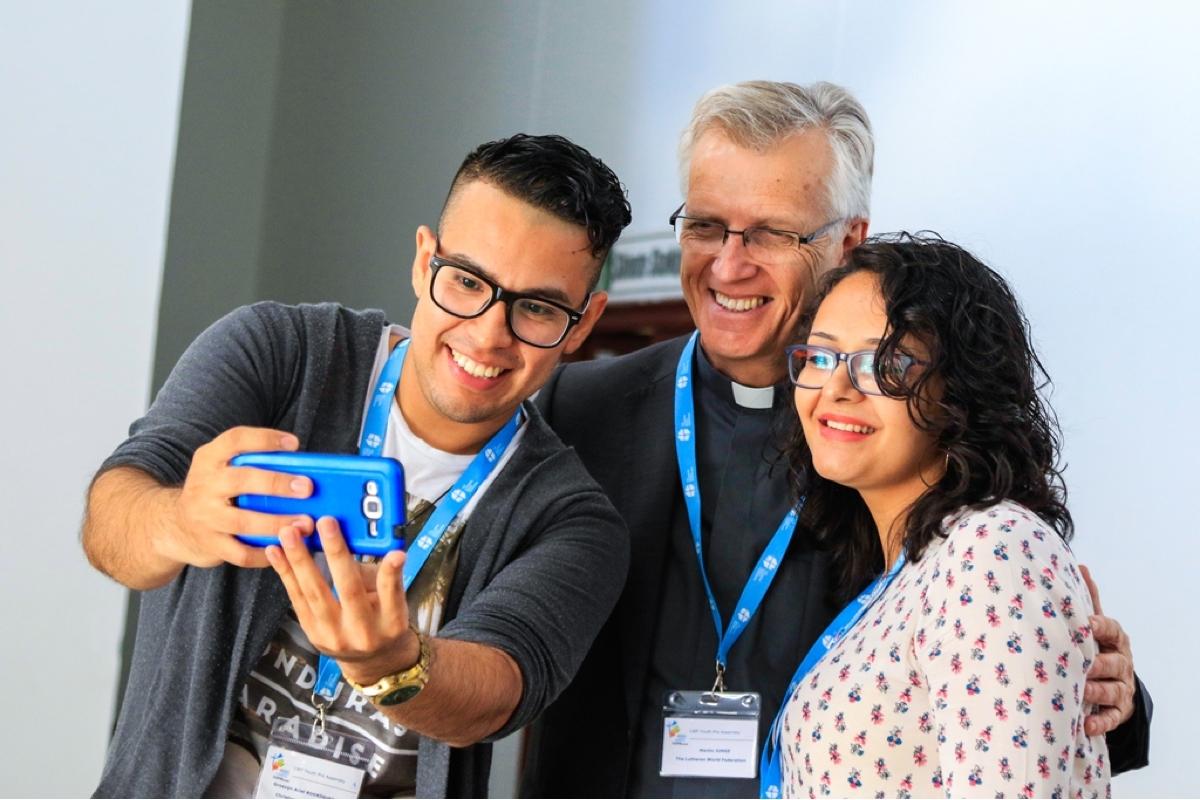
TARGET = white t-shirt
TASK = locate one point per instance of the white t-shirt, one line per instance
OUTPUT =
(428, 472)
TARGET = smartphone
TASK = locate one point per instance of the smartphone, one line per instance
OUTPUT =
(364, 493)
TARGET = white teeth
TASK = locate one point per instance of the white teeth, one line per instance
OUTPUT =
(738, 303)
(843, 426)
(472, 367)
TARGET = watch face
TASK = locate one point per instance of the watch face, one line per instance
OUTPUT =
(397, 696)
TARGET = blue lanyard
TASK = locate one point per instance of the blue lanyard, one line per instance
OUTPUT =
(768, 563)
(770, 765)
(374, 431)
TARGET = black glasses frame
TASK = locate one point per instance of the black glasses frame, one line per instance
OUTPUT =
(905, 361)
(508, 297)
(745, 232)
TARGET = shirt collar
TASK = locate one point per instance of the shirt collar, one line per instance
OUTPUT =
(746, 397)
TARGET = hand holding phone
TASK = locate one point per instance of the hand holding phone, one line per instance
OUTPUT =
(365, 494)
(198, 527)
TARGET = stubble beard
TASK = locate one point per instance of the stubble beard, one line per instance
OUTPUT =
(455, 409)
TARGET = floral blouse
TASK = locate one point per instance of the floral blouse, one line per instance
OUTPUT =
(965, 678)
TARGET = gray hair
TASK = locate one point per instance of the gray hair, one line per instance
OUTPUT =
(760, 114)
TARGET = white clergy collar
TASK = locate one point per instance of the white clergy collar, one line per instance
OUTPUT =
(751, 396)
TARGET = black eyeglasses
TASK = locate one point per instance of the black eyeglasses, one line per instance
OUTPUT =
(811, 367)
(466, 294)
(707, 237)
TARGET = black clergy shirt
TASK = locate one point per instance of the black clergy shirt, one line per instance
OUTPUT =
(744, 494)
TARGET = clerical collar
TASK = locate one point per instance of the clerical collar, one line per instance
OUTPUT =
(732, 391)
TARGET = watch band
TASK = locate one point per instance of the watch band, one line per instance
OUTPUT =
(401, 686)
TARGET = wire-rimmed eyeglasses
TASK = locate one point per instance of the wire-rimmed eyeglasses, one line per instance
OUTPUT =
(707, 237)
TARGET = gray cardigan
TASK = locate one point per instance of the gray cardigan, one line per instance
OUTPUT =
(540, 566)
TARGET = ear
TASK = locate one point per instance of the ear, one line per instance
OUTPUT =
(856, 232)
(580, 332)
(426, 247)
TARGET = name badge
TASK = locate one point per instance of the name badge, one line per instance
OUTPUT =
(306, 761)
(710, 734)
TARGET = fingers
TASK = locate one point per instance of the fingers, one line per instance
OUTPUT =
(1110, 636)
(1103, 721)
(1113, 693)
(364, 626)
(342, 567)
(291, 585)
(309, 580)
(389, 585)
(205, 518)
(1112, 666)
(211, 478)
(1110, 685)
(233, 552)
(251, 480)
(244, 439)
(1110, 682)
(1093, 590)
(317, 621)
(231, 520)
(1115, 656)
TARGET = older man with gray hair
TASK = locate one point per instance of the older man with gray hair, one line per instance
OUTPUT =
(725, 593)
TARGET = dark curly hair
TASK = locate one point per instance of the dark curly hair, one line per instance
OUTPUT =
(1002, 441)
(558, 176)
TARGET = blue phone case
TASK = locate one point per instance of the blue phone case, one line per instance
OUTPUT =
(364, 493)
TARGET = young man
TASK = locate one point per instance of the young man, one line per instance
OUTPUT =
(522, 554)
(777, 184)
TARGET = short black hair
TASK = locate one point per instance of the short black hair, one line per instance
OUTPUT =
(556, 175)
(1001, 439)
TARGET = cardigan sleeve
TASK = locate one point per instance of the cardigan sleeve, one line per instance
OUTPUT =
(547, 602)
(237, 372)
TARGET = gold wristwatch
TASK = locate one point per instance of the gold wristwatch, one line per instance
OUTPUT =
(400, 687)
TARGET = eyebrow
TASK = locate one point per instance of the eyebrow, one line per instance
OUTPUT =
(823, 335)
(546, 292)
(763, 222)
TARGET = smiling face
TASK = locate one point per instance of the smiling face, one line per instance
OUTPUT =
(865, 442)
(467, 376)
(748, 311)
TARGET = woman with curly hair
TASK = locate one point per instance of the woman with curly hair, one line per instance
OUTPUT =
(931, 462)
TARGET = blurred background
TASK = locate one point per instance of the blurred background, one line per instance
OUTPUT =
(163, 161)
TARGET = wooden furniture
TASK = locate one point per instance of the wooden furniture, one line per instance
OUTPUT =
(625, 327)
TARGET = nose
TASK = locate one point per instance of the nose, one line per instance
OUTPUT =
(839, 387)
(732, 262)
(490, 329)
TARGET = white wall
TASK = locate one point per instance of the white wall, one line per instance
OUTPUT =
(90, 97)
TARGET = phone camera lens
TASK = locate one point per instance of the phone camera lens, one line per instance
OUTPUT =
(372, 507)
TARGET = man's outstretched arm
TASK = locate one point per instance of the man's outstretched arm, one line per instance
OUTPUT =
(142, 533)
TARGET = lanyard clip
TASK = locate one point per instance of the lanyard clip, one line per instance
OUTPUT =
(320, 705)
(719, 683)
